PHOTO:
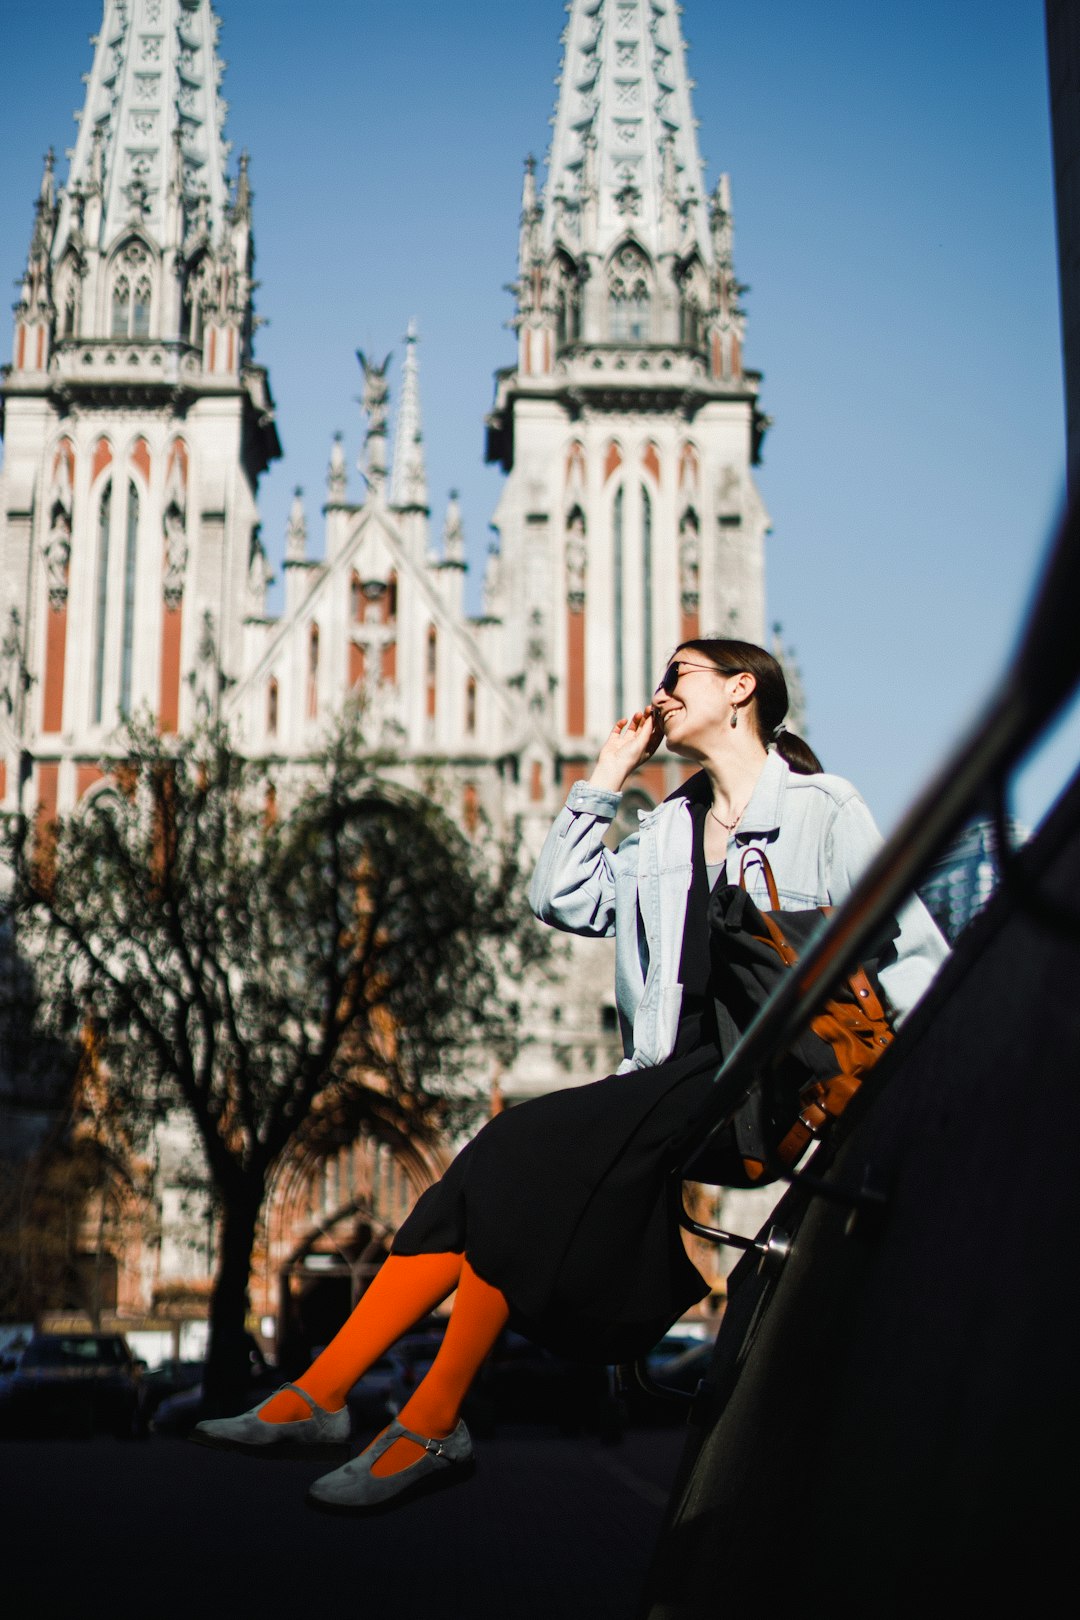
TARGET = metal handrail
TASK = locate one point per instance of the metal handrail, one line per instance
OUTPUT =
(1040, 677)
(1042, 674)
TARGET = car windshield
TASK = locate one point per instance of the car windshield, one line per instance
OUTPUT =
(74, 1351)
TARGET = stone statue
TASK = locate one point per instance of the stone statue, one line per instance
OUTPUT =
(57, 551)
(576, 562)
(176, 556)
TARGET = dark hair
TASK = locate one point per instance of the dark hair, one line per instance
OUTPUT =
(769, 704)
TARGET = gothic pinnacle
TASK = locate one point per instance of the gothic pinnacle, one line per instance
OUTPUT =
(296, 529)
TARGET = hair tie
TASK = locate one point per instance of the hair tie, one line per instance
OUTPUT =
(777, 730)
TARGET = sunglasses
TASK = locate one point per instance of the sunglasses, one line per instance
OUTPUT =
(669, 680)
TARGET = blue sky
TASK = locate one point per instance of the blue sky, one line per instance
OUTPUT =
(892, 185)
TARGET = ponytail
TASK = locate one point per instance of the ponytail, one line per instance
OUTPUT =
(796, 753)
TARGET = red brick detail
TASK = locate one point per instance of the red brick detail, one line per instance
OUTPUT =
(547, 351)
(140, 457)
(52, 717)
(45, 822)
(65, 451)
(48, 794)
(356, 663)
(20, 348)
(86, 777)
(612, 460)
(389, 662)
(689, 626)
(432, 667)
(470, 807)
(574, 770)
(651, 779)
(40, 347)
(178, 452)
(211, 349)
(536, 781)
(575, 673)
(736, 357)
(3, 778)
(389, 600)
(101, 459)
(526, 363)
(169, 704)
(651, 461)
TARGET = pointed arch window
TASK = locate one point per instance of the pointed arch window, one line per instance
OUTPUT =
(629, 297)
(68, 299)
(690, 322)
(470, 706)
(313, 672)
(140, 308)
(101, 599)
(127, 646)
(617, 605)
(647, 677)
(567, 304)
(121, 306)
(272, 707)
(132, 293)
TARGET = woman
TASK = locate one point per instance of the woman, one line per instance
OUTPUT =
(556, 1218)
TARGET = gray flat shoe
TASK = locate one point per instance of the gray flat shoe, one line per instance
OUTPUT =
(322, 1437)
(355, 1489)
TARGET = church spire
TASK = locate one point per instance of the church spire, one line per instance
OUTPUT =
(408, 482)
(625, 131)
(156, 73)
(624, 246)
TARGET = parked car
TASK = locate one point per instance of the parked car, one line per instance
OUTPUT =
(73, 1381)
(171, 1377)
(178, 1412)
(678, 1362)
(380, 1393)
(522, 1383)
(419, 1347)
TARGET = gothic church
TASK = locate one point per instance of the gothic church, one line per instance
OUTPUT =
(137, 422)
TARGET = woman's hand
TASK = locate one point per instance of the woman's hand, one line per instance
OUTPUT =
(630, 744)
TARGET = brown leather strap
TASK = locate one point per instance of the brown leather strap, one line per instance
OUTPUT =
(759, 855)
(866, 995)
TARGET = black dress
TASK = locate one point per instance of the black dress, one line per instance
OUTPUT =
(563, 1202)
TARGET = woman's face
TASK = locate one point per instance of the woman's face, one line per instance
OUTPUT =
(694, 702)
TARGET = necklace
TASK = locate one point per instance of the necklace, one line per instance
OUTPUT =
(728, 826)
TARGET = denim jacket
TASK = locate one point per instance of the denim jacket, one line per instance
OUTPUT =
(819, 836)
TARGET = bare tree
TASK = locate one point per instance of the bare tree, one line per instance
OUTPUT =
(283, 966)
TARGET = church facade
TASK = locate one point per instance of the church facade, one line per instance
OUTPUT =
(137, 423)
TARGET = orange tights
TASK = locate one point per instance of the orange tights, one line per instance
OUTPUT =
(404, 1289)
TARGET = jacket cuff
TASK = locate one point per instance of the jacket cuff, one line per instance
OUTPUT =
(595, 801)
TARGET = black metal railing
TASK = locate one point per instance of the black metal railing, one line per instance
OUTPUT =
(1038, 681)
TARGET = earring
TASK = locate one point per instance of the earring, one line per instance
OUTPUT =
(734, 717)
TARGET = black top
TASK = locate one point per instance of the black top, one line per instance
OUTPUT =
(697, 1022)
